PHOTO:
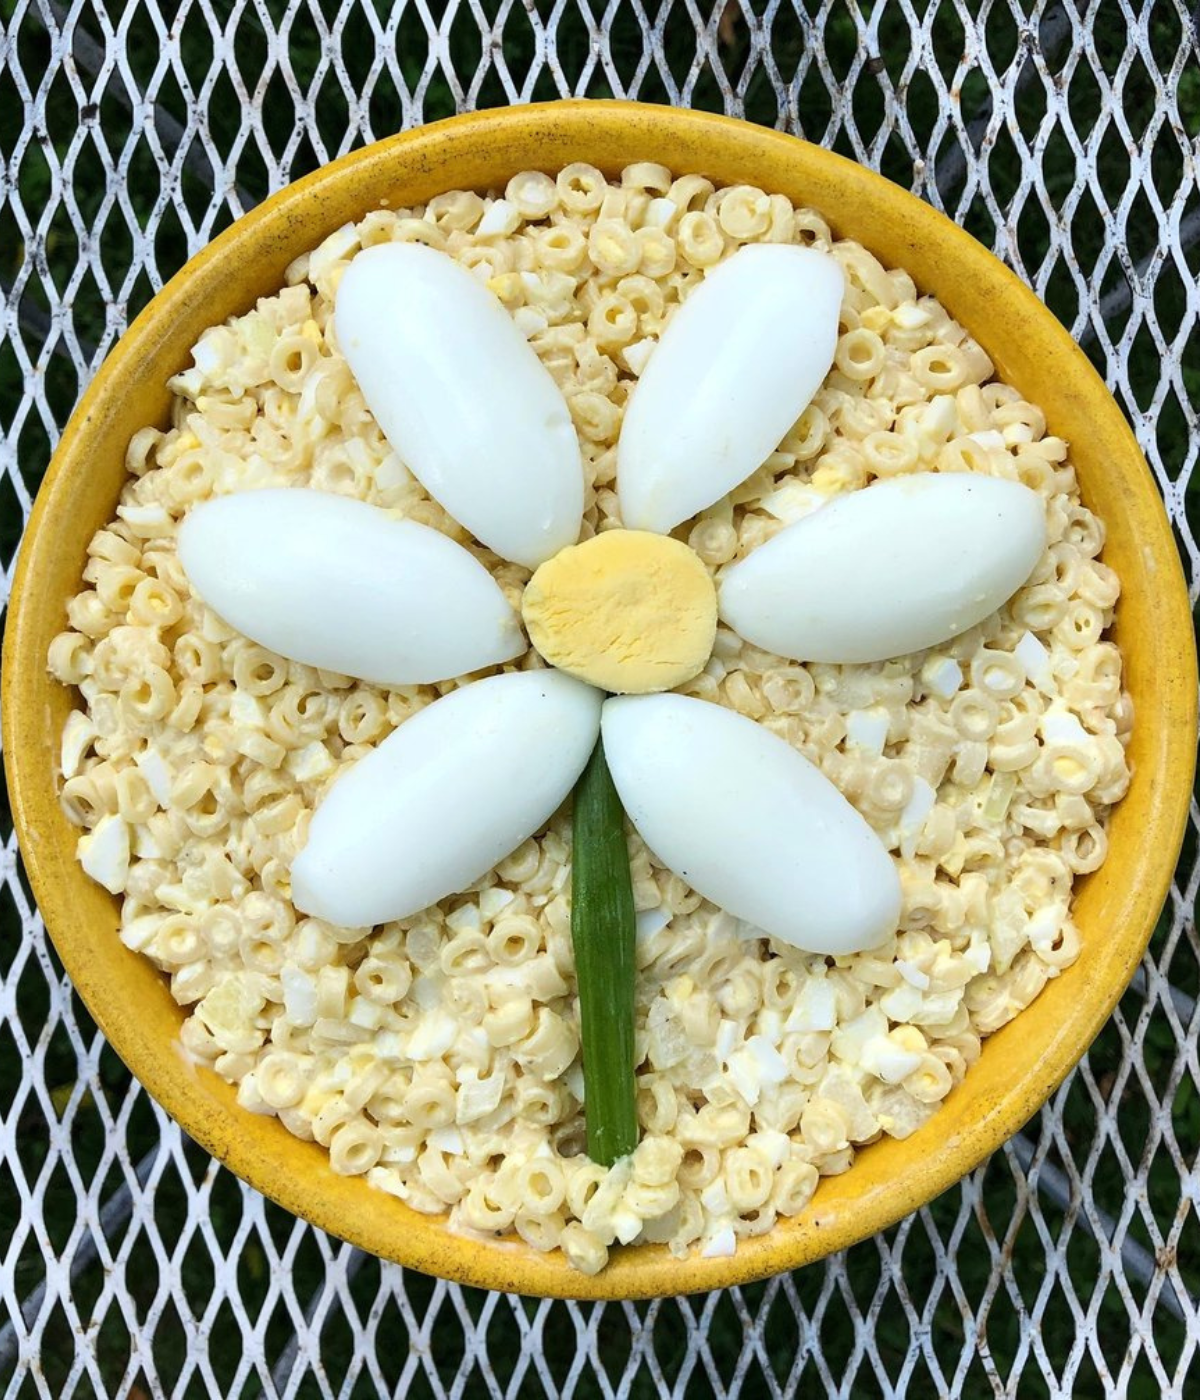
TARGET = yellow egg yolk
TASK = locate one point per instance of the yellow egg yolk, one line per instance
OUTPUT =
(628, 611)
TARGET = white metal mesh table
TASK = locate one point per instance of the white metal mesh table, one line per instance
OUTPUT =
(1061, 132)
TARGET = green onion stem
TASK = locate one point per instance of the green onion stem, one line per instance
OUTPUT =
(603, 932)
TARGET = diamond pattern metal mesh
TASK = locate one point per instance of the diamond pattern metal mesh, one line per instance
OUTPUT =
(1062, 134)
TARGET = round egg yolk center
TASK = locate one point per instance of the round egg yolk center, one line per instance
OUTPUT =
(628, 611)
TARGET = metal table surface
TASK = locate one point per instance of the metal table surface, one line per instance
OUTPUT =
(1061, 132)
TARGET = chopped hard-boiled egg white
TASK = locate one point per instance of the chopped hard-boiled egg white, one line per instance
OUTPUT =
(660, 213)
(136, 934)
(147, 521)
(903, 565)
(145, 845)
(727, 1038)
(868, 729)
(500, 217)
(793, 501)
(299, 995)
(1059, 726)
(104, 853)
(448, 1139)
(652, 921)
(311, 763)
(942, 676)
(851, 1036)
(476, 1097)
(774, 1145)
(756, 828)
(529, 320)
(815, 1007)
(494, 901)
(902, 1003)
(1036, 659)
(433, 1036)
(721, 1244)
(889, 1060)
(755, 1066)
(745, 352)
(464, 919)
(78, 733)
(637, 354)
(338, 584)
(340, 244)
(989, 438)
(462, 398)
(919, 805)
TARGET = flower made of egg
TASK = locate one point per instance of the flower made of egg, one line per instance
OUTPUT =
(621, 618)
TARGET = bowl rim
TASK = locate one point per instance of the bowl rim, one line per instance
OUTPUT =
(422, 1242)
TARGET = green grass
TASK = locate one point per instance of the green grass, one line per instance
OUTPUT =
(870, 40)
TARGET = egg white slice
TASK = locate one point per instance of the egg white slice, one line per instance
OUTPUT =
(462, 398)
(737, 364)
(887, 570)
(341, 585)
(750, 824)
(446, 797)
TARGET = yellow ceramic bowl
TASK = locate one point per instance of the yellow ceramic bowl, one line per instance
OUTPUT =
(1116, 908)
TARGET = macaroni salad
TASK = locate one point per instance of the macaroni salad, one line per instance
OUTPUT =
(439, 1055)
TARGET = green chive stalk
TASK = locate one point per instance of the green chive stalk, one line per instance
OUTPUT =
(603, 932)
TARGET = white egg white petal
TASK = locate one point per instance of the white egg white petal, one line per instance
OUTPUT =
(749, 823)
(887, 570)
(446, 797)
(339, 584)
(462, 398)
(737, 364)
